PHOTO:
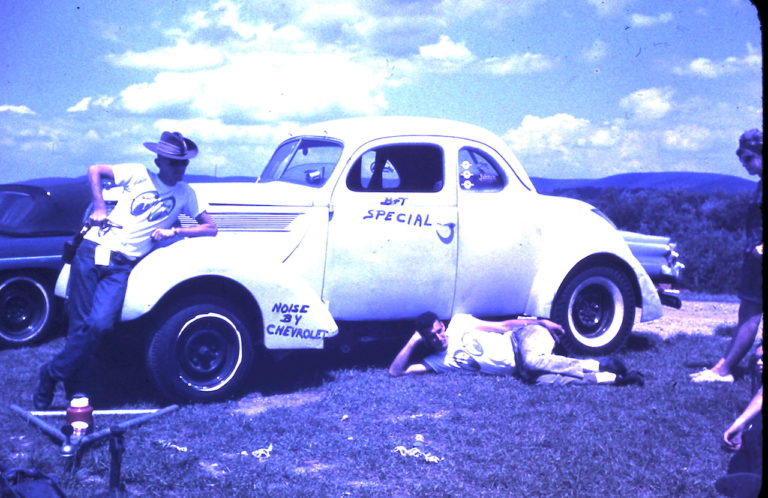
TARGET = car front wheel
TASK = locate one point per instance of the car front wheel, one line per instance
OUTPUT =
(596, 306)
(25, 310)
(202, 351)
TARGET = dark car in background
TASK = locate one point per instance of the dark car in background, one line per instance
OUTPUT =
(36, 218)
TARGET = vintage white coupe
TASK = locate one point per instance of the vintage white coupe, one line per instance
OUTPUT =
(377, 219)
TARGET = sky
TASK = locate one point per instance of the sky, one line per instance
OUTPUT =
(577, 88)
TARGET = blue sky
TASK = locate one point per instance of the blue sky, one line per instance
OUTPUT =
(577, 88)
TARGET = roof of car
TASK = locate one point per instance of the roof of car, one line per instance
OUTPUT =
(358, 131)
(363, 129)
(52, 185)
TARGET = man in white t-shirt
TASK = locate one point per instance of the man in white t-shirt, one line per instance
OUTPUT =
(520, 346)
(146, 213)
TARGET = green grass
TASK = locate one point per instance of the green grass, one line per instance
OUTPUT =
(333, 423)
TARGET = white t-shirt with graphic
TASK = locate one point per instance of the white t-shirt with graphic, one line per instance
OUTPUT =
(473, 350)
(145, 204)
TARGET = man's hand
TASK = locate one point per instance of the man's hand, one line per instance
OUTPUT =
(163, 234)
(414, 340)
(402, 364)
(732, 437)
(98, 217)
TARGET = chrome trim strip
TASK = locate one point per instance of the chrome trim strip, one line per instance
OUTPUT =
(248, 222)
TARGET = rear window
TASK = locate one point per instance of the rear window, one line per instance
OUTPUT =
(478, 172)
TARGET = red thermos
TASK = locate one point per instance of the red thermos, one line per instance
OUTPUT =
(80, 415)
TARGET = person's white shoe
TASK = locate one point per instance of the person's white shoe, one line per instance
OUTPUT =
(710, 376)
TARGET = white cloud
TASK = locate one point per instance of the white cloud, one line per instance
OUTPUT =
(183, 56)
(643, 21)
(214, 130)
(707, 68)
(241, 66)
(88, 102)
(650, 103)
(446, 53)
(223, 14)
(335, 14)
(81, 106)
(231, 61)
(517, 64)
(689, 137)
(563, 146)
(596, 52)
(266, 86)
(609, 7)
(607, 136)
(16, 109)
(554, 133)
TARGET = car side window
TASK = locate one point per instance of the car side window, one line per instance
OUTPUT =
(398, 168)
(478, 171)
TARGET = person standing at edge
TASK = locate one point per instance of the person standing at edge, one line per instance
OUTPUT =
(147, 209)
(750, 153)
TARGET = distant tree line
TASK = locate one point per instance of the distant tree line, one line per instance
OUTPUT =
(708, 227)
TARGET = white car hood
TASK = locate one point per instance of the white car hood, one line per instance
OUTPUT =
(220, 195)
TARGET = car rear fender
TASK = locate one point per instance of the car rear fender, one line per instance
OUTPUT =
(577, 237)
(549, 279)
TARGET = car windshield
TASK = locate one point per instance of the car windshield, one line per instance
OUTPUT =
(304, 161)
(33, 213)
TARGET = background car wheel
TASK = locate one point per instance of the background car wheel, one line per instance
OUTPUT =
(597, 309)
(25, 310)
(202, 351)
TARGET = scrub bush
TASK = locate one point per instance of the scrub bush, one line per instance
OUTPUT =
(708, 227)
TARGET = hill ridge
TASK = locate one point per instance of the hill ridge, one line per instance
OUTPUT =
(686, 180)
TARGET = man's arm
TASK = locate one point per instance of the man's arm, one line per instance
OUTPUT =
(96, 173)
(403, 365)
(732, 435)
(206, 227)
(507, 325)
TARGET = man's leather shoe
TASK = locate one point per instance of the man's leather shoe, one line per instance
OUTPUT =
(631, 378)
(613, 364)
(46, 385)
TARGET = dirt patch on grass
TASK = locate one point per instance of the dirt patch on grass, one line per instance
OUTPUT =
(256, 404)
(695, 317)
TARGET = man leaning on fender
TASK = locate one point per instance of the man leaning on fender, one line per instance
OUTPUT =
(148, 206)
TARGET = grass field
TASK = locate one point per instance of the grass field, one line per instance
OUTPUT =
(332, 424)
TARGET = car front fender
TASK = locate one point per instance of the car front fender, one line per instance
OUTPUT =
(294, 315)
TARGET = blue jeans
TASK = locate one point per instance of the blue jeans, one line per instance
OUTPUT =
(96, 296)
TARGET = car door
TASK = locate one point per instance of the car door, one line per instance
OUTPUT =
(392, 241)
(498, 235)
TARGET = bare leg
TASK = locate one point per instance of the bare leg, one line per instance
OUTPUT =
(750, 315)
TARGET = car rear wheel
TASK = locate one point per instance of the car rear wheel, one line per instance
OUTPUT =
(596, 306)
(25, 310)
(202, 351)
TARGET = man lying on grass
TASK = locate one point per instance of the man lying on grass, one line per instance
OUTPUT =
(521, 346)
